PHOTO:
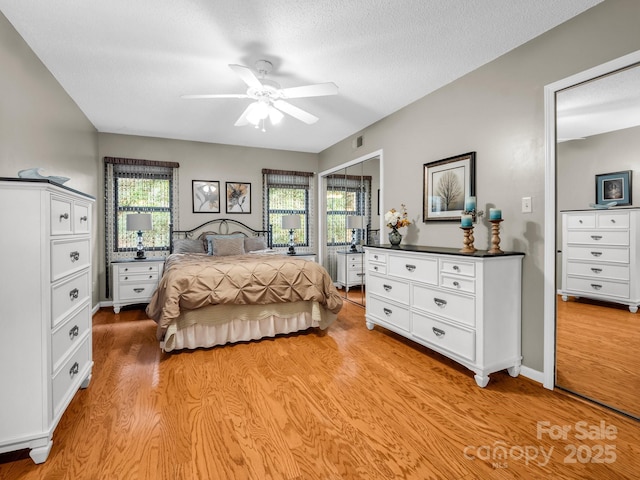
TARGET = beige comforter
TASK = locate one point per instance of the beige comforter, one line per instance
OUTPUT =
(191, 281)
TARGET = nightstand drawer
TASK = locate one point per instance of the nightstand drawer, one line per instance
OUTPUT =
(132, 292)
(70, 374)
(454, 339)
(133, 269)
(67, 335)
(68, 295)
(449, 305)
(139, 277)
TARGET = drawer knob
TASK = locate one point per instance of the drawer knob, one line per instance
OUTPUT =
(150, 268)
(74, 332)
(579, 221)
(64, 216)
(440, 302)
(596, 237)
(357, 275)
(438, 332)
(411, 268)
(74, 256)
(375, 268)
(138, 290)
(375, 256)
(595, 286)
(613, 220)
(73, 294)
(387, 311)
(126, 278)
(456, 284)
(150, 276)
(596, 270)
(596, 254)
(73, 371)
(456, 268)
(387, 288)
(83, 218)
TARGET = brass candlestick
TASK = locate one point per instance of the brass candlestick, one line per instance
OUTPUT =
(468, 240)
(495, 236)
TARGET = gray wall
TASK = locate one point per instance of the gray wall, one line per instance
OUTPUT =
(203, 161)
(40, 126)
(498, 112)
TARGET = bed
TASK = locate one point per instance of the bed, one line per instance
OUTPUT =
(223, 283)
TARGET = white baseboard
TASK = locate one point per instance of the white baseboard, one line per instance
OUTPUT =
(532, 374)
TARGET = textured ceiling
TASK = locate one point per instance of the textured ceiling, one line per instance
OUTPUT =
(126, 63)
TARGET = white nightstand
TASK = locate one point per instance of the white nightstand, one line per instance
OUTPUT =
(350, 269)
(305, 256)
(134, 281)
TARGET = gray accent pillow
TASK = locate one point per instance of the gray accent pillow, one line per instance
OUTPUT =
(188, 245)
(228, 246)
(210, 238)
(251, 244)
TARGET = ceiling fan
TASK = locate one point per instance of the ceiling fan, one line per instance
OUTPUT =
(269, 99)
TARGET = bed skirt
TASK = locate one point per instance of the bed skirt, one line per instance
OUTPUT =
(205, 327)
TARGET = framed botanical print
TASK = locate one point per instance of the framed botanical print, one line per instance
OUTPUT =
(238, 197)
(447, 183)
(205, 196)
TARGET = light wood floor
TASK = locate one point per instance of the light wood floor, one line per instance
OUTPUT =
(353, 404)
(597, 352)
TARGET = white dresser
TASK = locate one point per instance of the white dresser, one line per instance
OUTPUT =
(45, 309)
(465, 306)
(134, 281)
(350, 271)
(600, 255)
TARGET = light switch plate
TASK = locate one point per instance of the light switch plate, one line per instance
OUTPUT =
(526, 205)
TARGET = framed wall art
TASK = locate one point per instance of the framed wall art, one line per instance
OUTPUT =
(614, 187)
(238, 197)
(205, 196)
(447, 183)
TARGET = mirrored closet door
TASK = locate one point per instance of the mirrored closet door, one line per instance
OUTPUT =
(597, 335)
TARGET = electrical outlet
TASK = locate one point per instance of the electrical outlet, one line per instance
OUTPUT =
(526, 205)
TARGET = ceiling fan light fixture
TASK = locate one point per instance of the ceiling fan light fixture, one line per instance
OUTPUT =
(275, 115)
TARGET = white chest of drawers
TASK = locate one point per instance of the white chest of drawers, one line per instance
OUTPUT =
(600, 255)
(134, 281)
(350, 269)
(45, 309)
(466, 307)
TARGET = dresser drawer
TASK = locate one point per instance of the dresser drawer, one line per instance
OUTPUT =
(598, 287)
(458, 283)
(61, 221)
(598, 237)
(68, 256)
(445, 304)
(67, 335)
(598, 270)
(389, 313)
(423, 269)
(68, 295)
(377, 268)
(377, 256)
(613, 219)
(81, 214)
(581, 220)
(389, 288)
(597, 253)
(468, 269)
(131, 292)
(454, 339)
(65, 381)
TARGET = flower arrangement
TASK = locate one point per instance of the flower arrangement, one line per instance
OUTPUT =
(396, 219)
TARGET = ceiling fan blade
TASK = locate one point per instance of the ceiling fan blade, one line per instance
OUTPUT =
(242, 120)
(247, 75)
(295, 112)
(317, 90)
(223, 95)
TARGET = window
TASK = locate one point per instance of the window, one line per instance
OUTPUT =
(287, 193)
(346, 196)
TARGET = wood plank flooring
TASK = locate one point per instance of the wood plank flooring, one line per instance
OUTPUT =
(352, 404)
(597, 352)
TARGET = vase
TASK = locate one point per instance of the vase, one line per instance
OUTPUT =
(395, 237)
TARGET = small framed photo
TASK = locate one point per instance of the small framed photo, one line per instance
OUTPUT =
(238, 197)
(447, 183)
(614, 187)
(205, 196)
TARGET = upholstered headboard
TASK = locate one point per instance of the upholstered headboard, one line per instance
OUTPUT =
(220, 226)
